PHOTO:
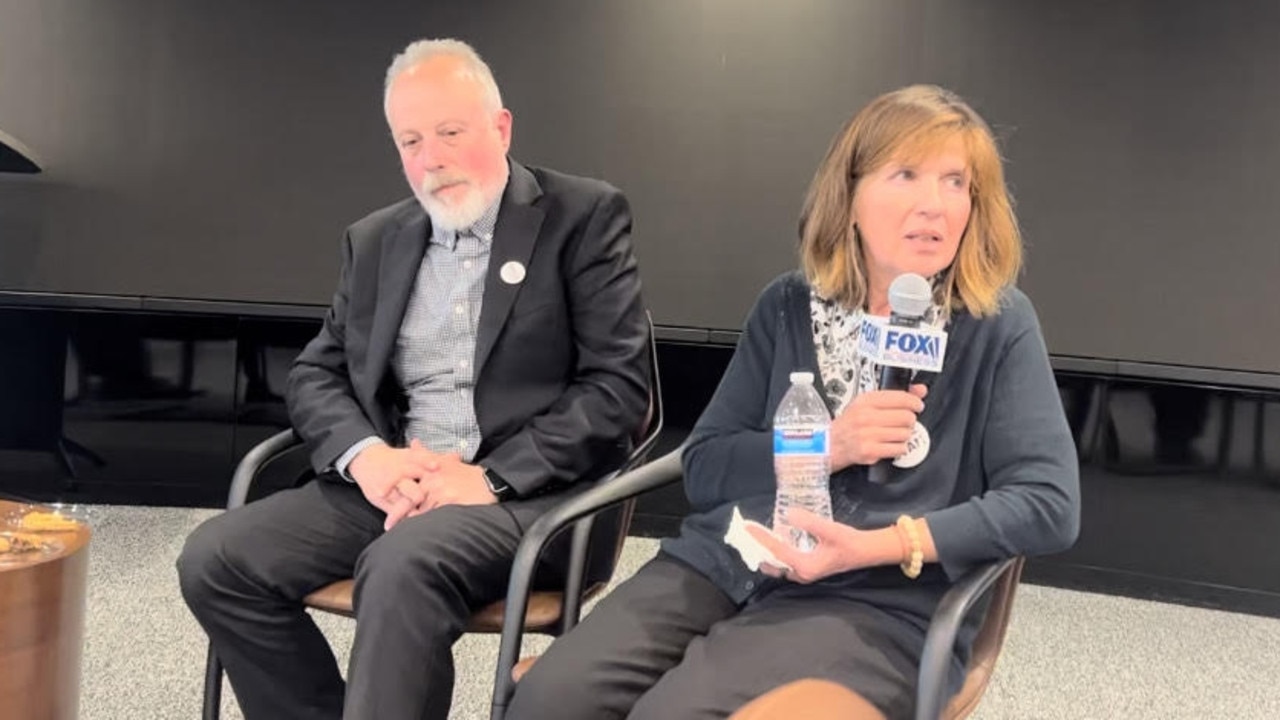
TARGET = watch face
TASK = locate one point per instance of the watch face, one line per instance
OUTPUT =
(496, 487)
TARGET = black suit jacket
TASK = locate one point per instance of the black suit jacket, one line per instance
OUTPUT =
(561, 357)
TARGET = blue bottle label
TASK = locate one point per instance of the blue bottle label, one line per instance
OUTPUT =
(799, 442)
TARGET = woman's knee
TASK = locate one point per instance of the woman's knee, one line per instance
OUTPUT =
(563, 688)
(599, 670)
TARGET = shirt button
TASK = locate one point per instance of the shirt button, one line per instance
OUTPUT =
(462, 444)
(751, 585)
(488, 236)
(466, 264)
(457, 309)
(462, 364)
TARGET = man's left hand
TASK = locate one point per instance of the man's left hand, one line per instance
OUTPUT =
(453, 483)
(836, 550)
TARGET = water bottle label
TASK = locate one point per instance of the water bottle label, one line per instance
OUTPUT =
(800, 442)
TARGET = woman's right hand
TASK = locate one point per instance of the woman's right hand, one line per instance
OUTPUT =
(876, 425)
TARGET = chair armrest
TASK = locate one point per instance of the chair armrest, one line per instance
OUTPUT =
(253, 462)
(611, 491)
(941, 638)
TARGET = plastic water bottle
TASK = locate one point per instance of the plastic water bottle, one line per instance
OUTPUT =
(801, 457)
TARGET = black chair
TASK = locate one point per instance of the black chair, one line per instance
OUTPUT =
(595, 544)
(931, 689)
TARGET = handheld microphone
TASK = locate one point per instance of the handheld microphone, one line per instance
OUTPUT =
(909, 299)
(902, 347)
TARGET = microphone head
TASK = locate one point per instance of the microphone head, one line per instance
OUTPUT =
(910, 295)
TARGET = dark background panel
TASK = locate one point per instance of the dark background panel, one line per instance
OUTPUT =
(207, 150)
(216, 150)
(117, 406)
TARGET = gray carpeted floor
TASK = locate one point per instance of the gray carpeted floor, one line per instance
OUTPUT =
(1068, 654)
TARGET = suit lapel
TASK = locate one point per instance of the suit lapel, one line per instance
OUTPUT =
(402, 251)
(513, 238)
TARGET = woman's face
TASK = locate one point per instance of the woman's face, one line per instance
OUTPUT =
(911, 215)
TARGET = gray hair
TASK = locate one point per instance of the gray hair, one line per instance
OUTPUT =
(473, 66)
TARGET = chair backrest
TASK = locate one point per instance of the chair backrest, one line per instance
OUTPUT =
(644, 442)
(609, 532)
(986, 645)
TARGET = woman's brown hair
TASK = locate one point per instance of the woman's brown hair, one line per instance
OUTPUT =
(906, 125)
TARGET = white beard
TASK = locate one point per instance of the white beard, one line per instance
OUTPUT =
(456, 215)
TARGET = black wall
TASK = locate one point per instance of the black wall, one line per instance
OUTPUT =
(216, 150)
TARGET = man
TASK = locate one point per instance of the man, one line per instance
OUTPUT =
(476, 358)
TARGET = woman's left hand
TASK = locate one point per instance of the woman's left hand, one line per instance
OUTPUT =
(837, 548)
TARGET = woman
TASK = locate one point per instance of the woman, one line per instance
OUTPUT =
(912, 184)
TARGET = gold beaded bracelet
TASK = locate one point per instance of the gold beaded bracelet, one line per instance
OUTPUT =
(913, 555)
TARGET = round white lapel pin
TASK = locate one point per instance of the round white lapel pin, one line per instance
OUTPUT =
(512, 273)
(917, 448)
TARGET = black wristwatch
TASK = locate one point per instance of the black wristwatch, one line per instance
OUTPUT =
(499, 487)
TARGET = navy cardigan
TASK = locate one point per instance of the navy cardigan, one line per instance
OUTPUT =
(1001, 477)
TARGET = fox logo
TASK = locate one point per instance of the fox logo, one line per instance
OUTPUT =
(912, 342)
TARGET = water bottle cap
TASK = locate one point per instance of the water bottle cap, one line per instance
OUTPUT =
(801, 378)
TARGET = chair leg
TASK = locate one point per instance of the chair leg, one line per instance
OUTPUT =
(64, 459)
(212, 687)
(76, 448)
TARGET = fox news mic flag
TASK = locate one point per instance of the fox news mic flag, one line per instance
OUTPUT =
(921, 349)
(901, 344)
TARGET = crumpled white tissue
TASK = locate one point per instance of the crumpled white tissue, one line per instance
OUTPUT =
(752, 552)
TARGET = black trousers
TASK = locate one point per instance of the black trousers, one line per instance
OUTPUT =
(669, 644)
(244, 573)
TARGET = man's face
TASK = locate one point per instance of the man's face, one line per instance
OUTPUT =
(452, 147)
